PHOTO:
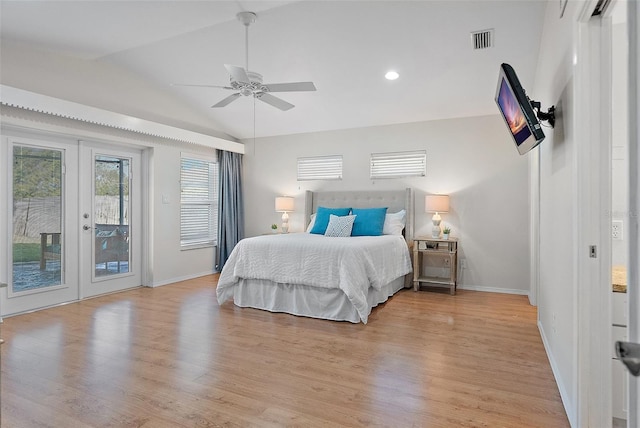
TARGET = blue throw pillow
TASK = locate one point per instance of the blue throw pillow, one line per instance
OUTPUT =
(322, 218)
(369, 221)
(340, 227)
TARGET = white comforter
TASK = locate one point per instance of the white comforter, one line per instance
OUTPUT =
(352, 264)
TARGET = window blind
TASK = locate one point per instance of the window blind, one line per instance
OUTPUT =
(320, 168)
(198, 202)
(398, 164)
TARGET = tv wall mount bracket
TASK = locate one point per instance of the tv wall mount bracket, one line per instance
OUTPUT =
(549, 116)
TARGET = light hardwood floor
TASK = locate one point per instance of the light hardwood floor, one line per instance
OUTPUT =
(171, 356)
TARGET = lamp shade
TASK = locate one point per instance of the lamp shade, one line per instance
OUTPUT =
(436, 203)
(284, 204)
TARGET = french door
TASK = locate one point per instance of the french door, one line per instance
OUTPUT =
(73, 224)
(41, 245)
(110, 217)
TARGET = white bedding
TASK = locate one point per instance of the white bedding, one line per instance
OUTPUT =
(351, 264)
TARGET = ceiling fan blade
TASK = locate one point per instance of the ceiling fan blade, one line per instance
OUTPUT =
(201, 86)
(290, 87)
(231, 98)
(275, 101)
(238, 74)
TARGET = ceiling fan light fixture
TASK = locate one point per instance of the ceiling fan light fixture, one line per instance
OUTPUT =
(391, 75)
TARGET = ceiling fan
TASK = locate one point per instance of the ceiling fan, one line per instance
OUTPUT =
(249, 83)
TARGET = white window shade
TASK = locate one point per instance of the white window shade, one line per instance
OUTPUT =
(320, 168)
(398, 164)
(198, 202)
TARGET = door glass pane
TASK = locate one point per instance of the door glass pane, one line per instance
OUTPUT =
(37, 218)
(111, 216)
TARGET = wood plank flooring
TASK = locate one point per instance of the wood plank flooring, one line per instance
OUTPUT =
(171, 356)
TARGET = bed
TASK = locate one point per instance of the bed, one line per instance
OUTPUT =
(306, 274)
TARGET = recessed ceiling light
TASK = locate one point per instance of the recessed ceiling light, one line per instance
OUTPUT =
(391, 75)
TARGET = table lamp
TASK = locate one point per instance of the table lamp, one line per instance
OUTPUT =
(436, 204)
(284, 205)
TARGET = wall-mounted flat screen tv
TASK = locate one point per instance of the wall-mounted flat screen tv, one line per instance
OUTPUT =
(517, 111)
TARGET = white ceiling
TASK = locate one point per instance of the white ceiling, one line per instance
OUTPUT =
(344, 47)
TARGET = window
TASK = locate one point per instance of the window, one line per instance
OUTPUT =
(398, 164)
(320, 168)
(198, 202)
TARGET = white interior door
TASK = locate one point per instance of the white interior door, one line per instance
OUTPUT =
(39, 177)
(110, 215)
(633, 20)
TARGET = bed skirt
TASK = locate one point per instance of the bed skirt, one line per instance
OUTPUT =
(305, 300)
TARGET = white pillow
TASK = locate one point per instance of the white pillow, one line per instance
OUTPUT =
(340, 226)
(311, 223)
(394, 223)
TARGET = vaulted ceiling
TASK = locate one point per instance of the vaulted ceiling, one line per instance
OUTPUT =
(344, 47)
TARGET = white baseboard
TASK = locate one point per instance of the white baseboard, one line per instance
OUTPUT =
(182, 278)
(492, 289)
(564, 395)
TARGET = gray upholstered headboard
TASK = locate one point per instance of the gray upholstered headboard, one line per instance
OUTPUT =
(395, 200)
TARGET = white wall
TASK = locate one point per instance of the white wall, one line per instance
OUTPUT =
(170, 263)
(557, 296)
(471, 159)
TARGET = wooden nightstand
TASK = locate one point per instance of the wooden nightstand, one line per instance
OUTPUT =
(439, 255)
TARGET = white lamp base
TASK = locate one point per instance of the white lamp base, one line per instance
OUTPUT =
(285, 222)
(435, 230)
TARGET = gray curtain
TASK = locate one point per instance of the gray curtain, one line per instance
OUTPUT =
(230, 205)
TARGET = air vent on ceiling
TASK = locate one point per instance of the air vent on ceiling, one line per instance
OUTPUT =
(482, 39)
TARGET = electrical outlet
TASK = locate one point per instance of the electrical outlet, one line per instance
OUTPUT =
(463, 263)
(616, 230)
(446, 262)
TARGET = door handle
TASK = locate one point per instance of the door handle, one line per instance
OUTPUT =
(86, 227)
(629, 354)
